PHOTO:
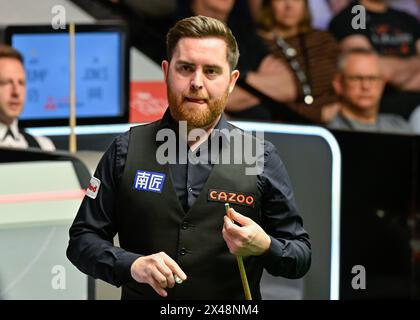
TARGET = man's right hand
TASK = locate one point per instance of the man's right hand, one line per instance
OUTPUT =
(158, 271)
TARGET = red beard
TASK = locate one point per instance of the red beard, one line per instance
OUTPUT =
(200, 118)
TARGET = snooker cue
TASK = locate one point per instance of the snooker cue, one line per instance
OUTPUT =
(72, 119)
(241, 266)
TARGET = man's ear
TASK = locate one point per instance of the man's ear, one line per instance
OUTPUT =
(165, 69)
(337, 83)
(233, 77)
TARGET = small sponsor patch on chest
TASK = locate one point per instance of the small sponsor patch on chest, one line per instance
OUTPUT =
(245, 199)
(149, 181)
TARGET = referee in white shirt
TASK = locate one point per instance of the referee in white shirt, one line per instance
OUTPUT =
(12, 99)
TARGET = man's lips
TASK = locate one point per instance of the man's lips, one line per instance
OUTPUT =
(196, 100)
(14, 104)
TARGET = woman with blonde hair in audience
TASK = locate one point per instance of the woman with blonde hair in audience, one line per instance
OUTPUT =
(285, 26)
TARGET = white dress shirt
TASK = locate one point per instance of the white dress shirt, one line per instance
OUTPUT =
(17, 140)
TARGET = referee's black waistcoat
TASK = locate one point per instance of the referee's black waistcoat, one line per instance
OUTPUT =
(150, 222)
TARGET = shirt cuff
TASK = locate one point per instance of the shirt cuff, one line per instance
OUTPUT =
(123, 266)
(275, 250)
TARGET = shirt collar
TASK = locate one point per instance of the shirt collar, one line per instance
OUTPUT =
(13, 127)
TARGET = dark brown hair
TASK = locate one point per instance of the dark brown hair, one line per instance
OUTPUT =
(202, 27)
(9, 52)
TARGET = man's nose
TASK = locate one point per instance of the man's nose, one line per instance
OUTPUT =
(366, 85)
(15, 88)
(197, 80)
(288, 4)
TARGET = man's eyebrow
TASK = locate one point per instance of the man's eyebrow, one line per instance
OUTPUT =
(182, 62)
(214, 66)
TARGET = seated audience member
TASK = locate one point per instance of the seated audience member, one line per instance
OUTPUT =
(322, 11)
(152, 8)
(395, 35)
(258, 68)
(359, 84)
(12, 99)
(310, 55)
(410, 6)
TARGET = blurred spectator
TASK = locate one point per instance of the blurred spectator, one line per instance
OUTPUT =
(12, 100)
(336, 5)
(254, 8)
(323, 10)
(310, 55)
(390, 32)
(359, 84)
(410, 6)
(260, 71)
(155, 8)
(395, 35)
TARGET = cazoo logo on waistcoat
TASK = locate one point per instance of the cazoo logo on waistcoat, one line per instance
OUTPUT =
(231, 197)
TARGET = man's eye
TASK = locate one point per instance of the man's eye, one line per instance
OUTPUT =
(211, 72)
(186, 68)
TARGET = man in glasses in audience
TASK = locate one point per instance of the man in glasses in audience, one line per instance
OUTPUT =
(395, 36)
(359, 83)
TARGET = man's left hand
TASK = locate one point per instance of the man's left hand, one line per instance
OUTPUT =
(245, 239)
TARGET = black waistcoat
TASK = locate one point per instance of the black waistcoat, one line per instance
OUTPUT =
(150, 222)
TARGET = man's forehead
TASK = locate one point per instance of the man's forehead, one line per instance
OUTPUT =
(209, 40)
(10, 61)
(364, 63)
(212, 48)
(11, 65)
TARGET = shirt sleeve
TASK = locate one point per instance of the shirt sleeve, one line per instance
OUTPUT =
(289, 254)
(91, 248)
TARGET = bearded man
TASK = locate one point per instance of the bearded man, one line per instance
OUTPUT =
(176, 240)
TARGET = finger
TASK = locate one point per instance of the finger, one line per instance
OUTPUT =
(228, 239)
(174, 267)
(232, 239)
(167, 273)
(159, 290)
(230, 226)
(230, 213)
(230, 243)
(225, 233)
(241, 219)
(159, 277)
